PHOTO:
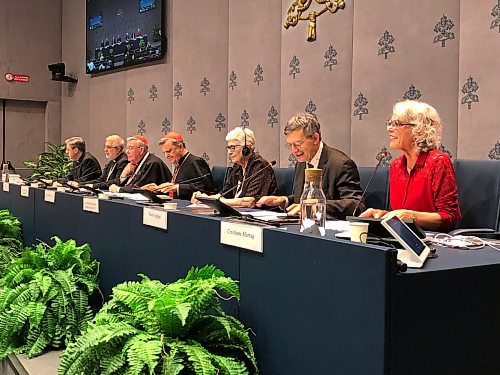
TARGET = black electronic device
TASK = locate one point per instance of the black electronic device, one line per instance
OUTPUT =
(122, 33)
(376, 229)
(151, 196)
(245, 151)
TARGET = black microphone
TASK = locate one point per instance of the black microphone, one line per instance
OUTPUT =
(382, 156)
(249, 178)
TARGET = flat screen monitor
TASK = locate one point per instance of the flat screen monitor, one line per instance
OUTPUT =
(122, 33)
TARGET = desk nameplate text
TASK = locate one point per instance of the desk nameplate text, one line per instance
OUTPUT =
(245, 236)
(50, 196)
(25, 191)
(6, 187)
(154, 217)
(91, 204)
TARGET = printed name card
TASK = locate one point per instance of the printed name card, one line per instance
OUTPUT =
(50, 196)
(25, 191)
(6, 187)
(91, 205)
(154, 217)
(245, 236)
(62, 189)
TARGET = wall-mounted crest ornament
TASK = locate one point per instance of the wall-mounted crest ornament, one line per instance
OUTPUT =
(443, 28)
(495, 152)
(258, 74)
(495, 12)
(244, 119)
(384, 157)
(153, 93)
(469, 88)
(130, 95)
(220, 122)
(311, 108)
(205, 83)
(166, 126)
(141, 127)
(273, 116)
(177, 90)
(294, 66)
(330, 55)
(360, 103)
(232, 80)
(386, 43)
(191, 122)
(442, 148)
(297, 10)
(412, 93)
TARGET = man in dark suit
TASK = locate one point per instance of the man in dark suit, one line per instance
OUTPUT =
(340, 174)
(143, 167)
(114, 147)
(85, 165)
(191, 173)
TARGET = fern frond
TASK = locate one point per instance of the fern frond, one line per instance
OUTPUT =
(143, 350)
(229, 366)
(198, 358)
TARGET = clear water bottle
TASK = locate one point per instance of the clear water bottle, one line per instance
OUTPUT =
(313, 204)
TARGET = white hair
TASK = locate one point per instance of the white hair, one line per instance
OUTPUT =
(242, 135)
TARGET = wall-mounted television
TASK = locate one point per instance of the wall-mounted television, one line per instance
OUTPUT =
(123, 33)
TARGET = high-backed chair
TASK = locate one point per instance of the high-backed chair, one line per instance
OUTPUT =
(377, 195)
(284, 178)
(219, 174)
(478, 183)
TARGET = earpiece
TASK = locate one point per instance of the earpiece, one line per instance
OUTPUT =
(245, 151)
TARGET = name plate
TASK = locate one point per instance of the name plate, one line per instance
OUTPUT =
(50, 196)
(154, 217)
(6, 187)
(25, 191)
(61, 189)
(91, 205)
(242, 235)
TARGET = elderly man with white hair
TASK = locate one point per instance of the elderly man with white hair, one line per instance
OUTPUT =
(242, 187)
(143, 167)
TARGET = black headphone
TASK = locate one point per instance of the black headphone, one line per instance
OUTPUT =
(245, 151)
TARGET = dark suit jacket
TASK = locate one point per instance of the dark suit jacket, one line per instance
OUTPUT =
(116, 167)
(191, 168)
(340, 183)
(152, 170)
(85, 169)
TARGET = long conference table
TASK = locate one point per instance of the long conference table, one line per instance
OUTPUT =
(317, 305)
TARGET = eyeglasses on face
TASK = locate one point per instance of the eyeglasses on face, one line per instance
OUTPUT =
(232, 147)
(296, 144)
(109, 147)
(130, 148)
(396, 124)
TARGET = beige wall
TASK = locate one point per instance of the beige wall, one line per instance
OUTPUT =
(30, 40)
(212, 39)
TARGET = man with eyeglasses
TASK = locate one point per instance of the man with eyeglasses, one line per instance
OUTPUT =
(341, 183)
(85, 165)
(191, 173)
(114, 146)
(143, 167)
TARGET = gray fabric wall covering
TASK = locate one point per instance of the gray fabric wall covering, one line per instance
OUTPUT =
(231, 63)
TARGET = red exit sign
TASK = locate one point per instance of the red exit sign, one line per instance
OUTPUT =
(11, 77)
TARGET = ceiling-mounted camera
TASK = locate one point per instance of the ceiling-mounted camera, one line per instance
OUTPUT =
(58, 71)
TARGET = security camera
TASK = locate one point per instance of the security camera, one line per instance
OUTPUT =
(58, 71)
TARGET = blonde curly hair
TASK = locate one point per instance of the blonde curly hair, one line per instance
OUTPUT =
(426, 123)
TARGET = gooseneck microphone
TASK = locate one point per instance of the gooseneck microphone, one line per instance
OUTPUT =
(270, 164)
(382, 156)
(193, 179)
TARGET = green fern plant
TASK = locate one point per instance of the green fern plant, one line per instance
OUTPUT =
(44, 297)
(10, 239)
(51, 165)
(153, 328)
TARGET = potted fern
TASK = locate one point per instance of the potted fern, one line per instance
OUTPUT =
(44, 297)
(10, 239)
(51, 165)
(153, 328)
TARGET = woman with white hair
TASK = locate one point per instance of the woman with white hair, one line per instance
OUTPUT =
(422, 180)
(252, 176)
